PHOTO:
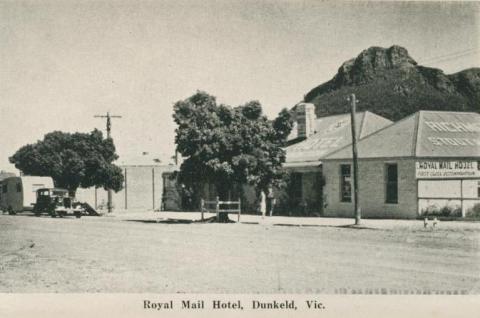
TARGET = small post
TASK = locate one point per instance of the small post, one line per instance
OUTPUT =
(217, 207)
(153, 189)
(126, 190)
(109, 198)
(95, 198)
(461, 198)
(239, 209)
(202, 204)
(419, 211)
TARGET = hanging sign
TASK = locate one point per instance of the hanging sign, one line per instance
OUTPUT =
(430, 169)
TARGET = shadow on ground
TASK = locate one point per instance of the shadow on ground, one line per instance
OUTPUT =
(184, 221)
(167, 221)
(357, 227)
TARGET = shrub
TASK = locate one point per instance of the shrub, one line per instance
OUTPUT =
(474, 212)
(432, 209)
(445, 211)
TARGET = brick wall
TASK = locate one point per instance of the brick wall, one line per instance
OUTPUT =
(372, 177)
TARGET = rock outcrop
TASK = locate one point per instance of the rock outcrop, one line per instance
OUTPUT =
(389, 82)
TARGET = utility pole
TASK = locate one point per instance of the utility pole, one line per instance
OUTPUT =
(355, 160)
(109, 128)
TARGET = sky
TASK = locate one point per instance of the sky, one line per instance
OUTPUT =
(62, 62)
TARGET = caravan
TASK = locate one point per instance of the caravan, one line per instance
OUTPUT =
(19, 193)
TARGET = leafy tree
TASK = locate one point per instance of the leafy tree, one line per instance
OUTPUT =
(72, 160)
(229, 146)
(283, 125)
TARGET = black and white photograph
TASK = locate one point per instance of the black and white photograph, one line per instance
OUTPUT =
(239, 158)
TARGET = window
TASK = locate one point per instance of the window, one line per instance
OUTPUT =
(391, 183)
(19, 187)
(478, 189)
(5, 189)
(345, 183)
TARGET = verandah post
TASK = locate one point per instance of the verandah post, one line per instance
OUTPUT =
(461, 199)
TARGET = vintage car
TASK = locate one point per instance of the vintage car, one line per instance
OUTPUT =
(56, 202)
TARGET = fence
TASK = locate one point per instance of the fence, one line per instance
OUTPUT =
(219, 207)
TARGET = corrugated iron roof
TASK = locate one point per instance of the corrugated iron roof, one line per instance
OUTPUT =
(448, 134)
(423, 134)
(332, 133)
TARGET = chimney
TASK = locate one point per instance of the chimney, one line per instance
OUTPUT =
(305, 120)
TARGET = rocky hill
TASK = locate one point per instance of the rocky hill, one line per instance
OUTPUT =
(390, 83)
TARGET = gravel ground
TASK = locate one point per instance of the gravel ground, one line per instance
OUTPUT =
(137, 252)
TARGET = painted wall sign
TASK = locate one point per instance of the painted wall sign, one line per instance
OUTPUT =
(449, 134)
(447, 169)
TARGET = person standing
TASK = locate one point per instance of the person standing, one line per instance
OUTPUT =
(271, 201)
(263, 204)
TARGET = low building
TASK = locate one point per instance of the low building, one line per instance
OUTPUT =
(427, 163)
(142, 188)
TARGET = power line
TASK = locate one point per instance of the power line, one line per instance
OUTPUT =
(450, 56)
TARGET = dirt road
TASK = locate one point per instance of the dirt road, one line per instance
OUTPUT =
(107, 254)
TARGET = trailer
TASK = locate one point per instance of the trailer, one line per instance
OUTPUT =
(20, 193)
